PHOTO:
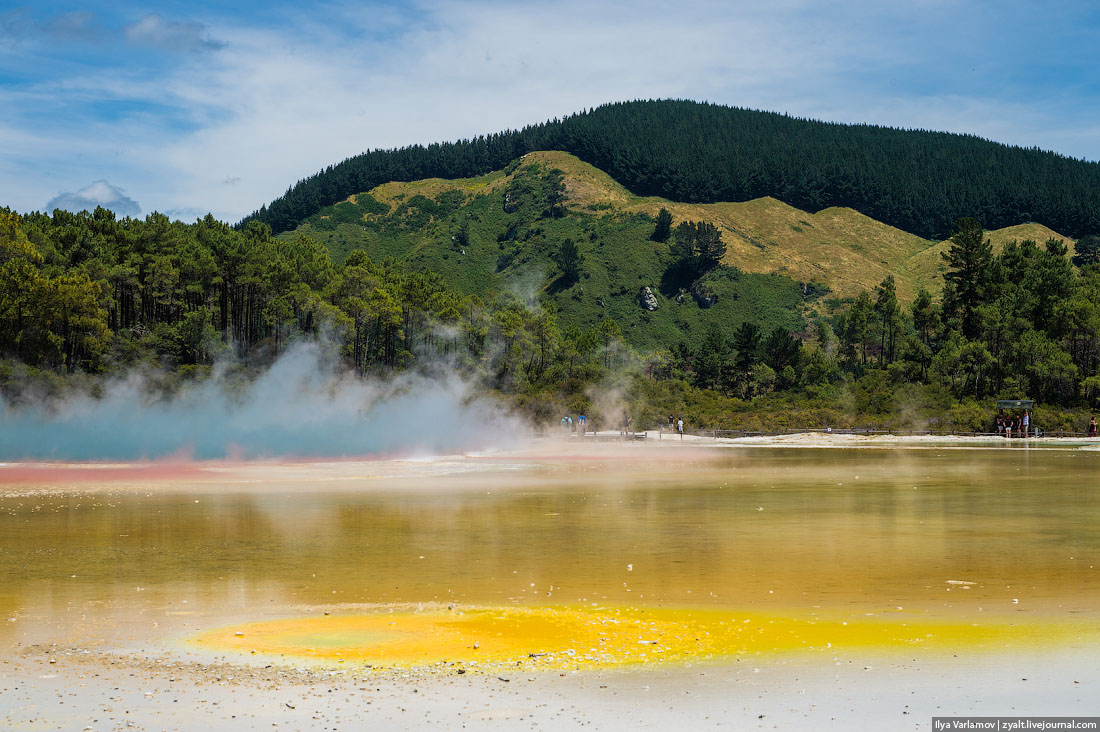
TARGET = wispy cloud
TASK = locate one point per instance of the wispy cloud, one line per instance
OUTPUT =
(79, 25)
(13, 26)
(172, 35)
(99, 193)
(151, 31)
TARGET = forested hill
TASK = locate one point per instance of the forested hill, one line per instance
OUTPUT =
(686, 151)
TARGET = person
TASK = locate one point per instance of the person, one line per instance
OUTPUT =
(1092, 427)
(1000, 424)
(564, 424)
(1008, 427)
(671, 423)
(1025, 422)
(582, 424)
(680, 427)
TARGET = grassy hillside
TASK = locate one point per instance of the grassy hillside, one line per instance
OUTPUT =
(837, 249)
(927, 266)
(512, 237)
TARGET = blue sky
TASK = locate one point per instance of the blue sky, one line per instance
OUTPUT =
(193, 107)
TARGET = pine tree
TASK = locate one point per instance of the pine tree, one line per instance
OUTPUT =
(711, 359)
(664, 226)
(709, 245)
(886, 304)
(462, 236)
(569, 259)
(968, 261)
(1088, 250)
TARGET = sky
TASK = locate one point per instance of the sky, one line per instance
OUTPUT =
(189, 108)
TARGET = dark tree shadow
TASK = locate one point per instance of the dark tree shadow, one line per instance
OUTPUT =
(677, 276)
(562, 282)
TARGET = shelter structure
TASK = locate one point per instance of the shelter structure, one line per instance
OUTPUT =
(1014, 417)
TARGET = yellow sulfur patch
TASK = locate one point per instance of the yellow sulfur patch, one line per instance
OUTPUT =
(575, 637)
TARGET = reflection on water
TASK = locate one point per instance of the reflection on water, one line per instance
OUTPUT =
(951, 532)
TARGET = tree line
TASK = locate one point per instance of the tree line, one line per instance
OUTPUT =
(916, 180)
(91, 293)
(1022, 323)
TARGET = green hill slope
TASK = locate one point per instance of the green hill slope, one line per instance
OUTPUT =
(511, 238)
(917, 181)
(781, 258)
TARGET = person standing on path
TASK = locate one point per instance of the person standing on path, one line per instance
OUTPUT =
(1026, 422)
(680, 427)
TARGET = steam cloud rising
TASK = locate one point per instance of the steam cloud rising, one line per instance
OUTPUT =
(301, 406)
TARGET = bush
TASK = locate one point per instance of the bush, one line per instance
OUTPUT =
(967, 417)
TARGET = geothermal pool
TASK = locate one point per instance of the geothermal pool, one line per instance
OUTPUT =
(560, 559)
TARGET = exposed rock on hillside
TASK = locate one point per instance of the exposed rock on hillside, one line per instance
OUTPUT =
(704, 294)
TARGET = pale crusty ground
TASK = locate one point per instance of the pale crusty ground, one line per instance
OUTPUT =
(831, 439)
(66, 689)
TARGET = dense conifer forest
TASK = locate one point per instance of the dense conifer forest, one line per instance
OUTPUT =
(918, 181)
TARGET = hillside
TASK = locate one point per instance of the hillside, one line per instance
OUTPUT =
(916, 181)
(837, 249)
(442, 273)
(511, 241)
(928, 266)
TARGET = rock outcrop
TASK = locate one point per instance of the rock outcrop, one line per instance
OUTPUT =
(704, 295)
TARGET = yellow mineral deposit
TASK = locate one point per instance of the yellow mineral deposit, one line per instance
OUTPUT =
(567, 638)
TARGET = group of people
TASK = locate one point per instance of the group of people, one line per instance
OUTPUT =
(1018, 424)
(580, 427)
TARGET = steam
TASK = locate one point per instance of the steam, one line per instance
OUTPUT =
(608, 400)
(301, 406)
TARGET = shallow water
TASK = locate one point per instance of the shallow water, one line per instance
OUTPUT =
(978, 536)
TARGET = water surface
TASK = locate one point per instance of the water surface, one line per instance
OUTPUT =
(955, 535)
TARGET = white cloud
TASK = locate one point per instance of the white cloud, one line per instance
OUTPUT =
(78, 25)
(99, 193)
(170, 35)
(294, 104)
